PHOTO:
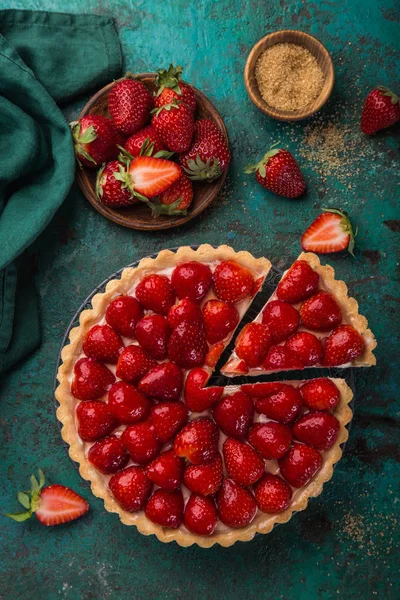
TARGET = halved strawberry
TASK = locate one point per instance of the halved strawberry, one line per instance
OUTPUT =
(191, 280)
(220, 319)
(94, 420)
(320, 394)
(198, 397)
(317, 429)
(53, 505)
(131, 488)
(234, 414)
(91, 379)
(127, 404)
(200, 515)
(197, 441)
(330, 232)
(282, 319)
(300, 464)
(272, 494)
(232, 282)
(185, 311)
(102, 343)
(165, 508)
(206, 478)
(164, 381)
(152, 333)
(298, 283)
(272, 440)
(342, 346)
(236, 505)
(321, 312)
(141, 441)
(133, 364)
(155, 293)
(283, 405)
(243, 464)
(150, 176)
(108, 455)
(253, 343)
(280, 358)
(168, 418)
(306, 347)
(187, 346)
(166, 470)
(123, 313)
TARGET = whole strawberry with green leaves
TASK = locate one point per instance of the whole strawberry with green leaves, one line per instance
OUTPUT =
(95, 140)
(208, 156)
(170, 88)
(381, 110)
(278, 172)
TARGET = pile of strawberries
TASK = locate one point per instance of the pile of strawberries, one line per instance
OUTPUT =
(134, 150)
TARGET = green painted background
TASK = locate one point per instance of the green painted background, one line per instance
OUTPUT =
(345, 544)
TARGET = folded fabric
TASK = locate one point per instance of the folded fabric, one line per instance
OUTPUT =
(44, 58)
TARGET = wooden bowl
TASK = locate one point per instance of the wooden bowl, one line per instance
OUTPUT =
(138, 216)
(314, 46)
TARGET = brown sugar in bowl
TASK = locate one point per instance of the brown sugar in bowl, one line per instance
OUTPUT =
(139, 215)
(319, 52)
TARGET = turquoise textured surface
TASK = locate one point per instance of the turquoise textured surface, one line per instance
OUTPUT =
(346, 543)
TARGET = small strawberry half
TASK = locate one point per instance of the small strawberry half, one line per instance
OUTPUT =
(278, 172)
(95, 140)
(232, 282)
(283, 406)
(133, 364)
(234, 414)
(175, 124)
(197, 441)
(131, 488)
(272, 494)
(243, 464)
(200, 515)
(103, 343)
(280, 358)
(130, 104)
(300, 464)
(330, 232)
(108, 455)
(170, 87)
(282, 319)
(220, 319)
(321, 312)
(185, 311)
(204, 479)
(187, 346)
(152, 333)
(165, 508)
(166, 470)
(306, 347)
(155, 293)
(342, 346)
(91, 379)
(317, 429)
(272, 440)
(148, 176)
(253, 343)
(381, 110)
(199, 398)
(208, 156)
(164, 382)
(94, 420)
(52, 505)
(123, 313)
(320, 394)
(141, 441)
(127, 404)
(298, 283)
(168, 418)
(236, 505)
(191, 280)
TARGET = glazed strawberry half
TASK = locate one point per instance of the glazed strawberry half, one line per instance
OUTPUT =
(278, 172)
(208, 156)
(381, 109)
(330, 232)
(95, 140)
(170, 87)
(52, 504)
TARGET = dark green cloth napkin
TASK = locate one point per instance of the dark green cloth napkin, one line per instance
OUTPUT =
(45, 59)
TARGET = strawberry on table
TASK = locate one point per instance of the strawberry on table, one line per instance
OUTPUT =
(155, 293)
(320, 394)
(168, 418)
(197, 441)
(236, 505)
(278, 172)
(330, 232)
(234, 414)
(321, 312)
(102, 343)
(282, 319)
(131, 488)
(298, 283)
(127, 404)
(112, 187)
(243, 464)
(300, 464)
(208, 156)
(95, 140)
(52, 505)
(108, 455)
(204, 479)
(133, 364)
(200, 515)
(170, 87)
(220, 319)
(163, 381)
(91, 379)
(152, 333)
(191, 280)
(141, 441)
(187, 346)
(165, 508)
(343, 345)
(166, 470)
(95, 421)
(381, 110)
(123, 313)
(232, 282)
(130, 104)
(272, 494)
(175, 125)
(198, 397)
(146, 142)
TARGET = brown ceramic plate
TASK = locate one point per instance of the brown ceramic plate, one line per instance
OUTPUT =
(139, 216)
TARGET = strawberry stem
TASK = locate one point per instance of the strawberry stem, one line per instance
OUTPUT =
(169, 79)
(261, 165)
(30, 500)
(346, 225)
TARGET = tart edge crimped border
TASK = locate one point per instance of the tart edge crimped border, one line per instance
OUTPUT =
(348, 303)
(66, 413)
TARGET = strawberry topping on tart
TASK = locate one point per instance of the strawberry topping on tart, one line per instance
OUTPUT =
(181, 458)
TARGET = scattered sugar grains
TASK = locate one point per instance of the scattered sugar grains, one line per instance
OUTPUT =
(288, 76)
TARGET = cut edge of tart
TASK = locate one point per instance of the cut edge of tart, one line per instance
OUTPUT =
(235, 366)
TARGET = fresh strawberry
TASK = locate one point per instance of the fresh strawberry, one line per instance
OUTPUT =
(342, 346)
(321, 312)
(141, 441)
(131, 488)
(381, 110)
(95, 140)
(165, 508)
(164, 382)
(272, 494)
(175, 125)
(102, 343)
(130, 104)
(168, 418)
(191, 280)
(200, 515)
(306, 347)
(271, 440)
(155, 293)
(152, 333)
(148, 176)
(208, 156)
(204, 479)
(122, 314)
(317, 429)
(187, 346)
(330, 232)
(145, 142)
(197, 441)
(52, 505)
(282, 406)
(280, 358)
(127, 404)
(232, 282)
(234, 414)
(253, 343)
(185, 311)
(220, 319)
(214, 354)
(108, 455)
(278, 172)
(197, 397)
(300, 464)
(282, 319)
(177, 198)
(112, 186)
(236, 505)
(320, 394)
(243, 464)
(133, 364)
(94, 420)
(166, 470)
(170, 87)
(91, 379)
(298, 283)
